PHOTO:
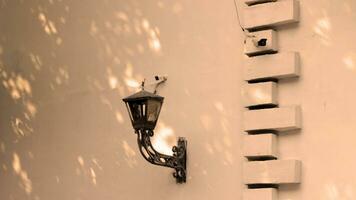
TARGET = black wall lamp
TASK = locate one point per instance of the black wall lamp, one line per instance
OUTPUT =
(144, 108)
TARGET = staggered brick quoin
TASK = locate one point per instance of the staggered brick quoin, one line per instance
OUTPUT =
(264, 119)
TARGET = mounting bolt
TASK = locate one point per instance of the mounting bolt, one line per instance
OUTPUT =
(260, 42)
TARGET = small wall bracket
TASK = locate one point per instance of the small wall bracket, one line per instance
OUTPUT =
(178, 161)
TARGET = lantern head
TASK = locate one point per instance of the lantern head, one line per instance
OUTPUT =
(144, 108)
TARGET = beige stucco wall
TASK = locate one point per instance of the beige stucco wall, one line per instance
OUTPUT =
(65, 65)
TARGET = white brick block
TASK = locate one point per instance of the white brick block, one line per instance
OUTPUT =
(251, 48)
(277, 66)
(264, 93)
(279, 119)
(260, 194)
(260, 146)
(271, 14)
(272, 172)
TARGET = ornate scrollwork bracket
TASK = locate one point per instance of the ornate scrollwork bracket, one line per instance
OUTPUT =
(177, 161)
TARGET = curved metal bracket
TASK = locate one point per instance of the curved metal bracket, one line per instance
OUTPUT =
(177, 161)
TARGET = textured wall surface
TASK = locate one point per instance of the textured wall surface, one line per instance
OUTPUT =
(66, 64)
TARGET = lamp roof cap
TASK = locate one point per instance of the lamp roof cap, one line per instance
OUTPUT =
(142, 95)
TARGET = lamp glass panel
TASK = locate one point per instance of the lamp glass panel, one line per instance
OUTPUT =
(136, 110)
(153, 109)
(129, 111)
